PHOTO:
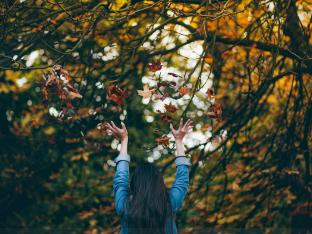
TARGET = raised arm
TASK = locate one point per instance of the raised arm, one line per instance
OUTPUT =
(179, 188)
(121, 178)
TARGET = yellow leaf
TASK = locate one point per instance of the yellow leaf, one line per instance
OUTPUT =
(49, 130)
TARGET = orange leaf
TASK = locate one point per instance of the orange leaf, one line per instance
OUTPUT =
(209, 60)
(73, 39)
(53, 21)
(183, 90)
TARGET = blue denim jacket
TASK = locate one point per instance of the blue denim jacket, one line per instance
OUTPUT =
(176, 193)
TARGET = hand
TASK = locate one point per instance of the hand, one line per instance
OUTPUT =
(119, 133)
(182, 130)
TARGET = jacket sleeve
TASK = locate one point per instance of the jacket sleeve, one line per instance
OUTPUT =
(121, 182)
(180, 185)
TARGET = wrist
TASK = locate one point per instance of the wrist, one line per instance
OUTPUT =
(179, 141)
(124, 139)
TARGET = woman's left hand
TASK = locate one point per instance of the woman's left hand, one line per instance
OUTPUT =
(119, 133)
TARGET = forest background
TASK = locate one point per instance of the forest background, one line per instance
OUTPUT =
(241, 70)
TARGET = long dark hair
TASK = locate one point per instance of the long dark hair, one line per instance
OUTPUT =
(148, 207)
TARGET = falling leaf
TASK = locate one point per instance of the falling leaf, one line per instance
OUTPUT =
(37, 29)
(116, 94)
(164, 140)
(146, 92)
(45, 93)
(53, 21)
(73, 95)
(170, 108)
(209, 60)
(117, 99)
(155, 66)
(161, 97)
(215, 111)
(164, 117)
(73, 39)
(210, 93)
(183, 90)
(235, 185)
(173, 74)
(166, 84)
(85, 214)
(64, 197)
(60, 93)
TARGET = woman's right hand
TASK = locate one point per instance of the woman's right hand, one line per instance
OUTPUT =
(119, 133)
(182, 130)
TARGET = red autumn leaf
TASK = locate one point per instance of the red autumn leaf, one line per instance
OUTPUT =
(155, 66)
(116, 94)
(117, 99)
(68, 104)
(164, 140)
(170, 108)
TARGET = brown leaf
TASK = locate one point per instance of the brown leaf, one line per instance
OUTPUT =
(164, 117)
(210, 93)
(155, 66)
(45, 93)
(164, 140)
(170, 108)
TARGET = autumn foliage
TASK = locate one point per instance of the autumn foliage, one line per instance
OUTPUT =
(240, 70)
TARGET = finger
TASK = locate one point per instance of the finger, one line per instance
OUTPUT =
(112, 129)
(172, 129)
(113, 124)
(187, 123)
(123, 125)
(109, 126)
(190, 127)
(181, 123)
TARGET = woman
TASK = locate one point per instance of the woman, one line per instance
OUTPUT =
(148, 207)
